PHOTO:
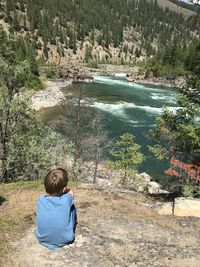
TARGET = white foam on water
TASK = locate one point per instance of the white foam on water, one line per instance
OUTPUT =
(136, 124)
(158, 97)
(168, 98)
(120, 74)
(143, 125)
(119, 108)
(133, 122)
(110, 81)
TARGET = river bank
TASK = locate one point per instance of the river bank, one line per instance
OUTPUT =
(179, 82)
(51, 96)
(136, 75)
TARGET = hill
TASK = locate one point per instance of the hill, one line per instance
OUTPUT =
(107, 32)
(177, 6)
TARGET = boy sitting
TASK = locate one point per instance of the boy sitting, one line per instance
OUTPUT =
(56, 212)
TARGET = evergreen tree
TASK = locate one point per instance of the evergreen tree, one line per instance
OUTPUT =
(127, 155)
(177, 136)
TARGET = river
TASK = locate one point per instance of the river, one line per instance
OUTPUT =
(133, 108)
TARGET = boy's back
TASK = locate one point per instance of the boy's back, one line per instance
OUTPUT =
(56, 213)
(55, 220)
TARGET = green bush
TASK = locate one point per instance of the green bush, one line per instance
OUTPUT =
(93, 64)
(50, 74)
(28, 148)
(160, 70)
(191, 191)
(34, 82)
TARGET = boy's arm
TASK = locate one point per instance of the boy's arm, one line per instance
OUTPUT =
(65, 190)
(71, 192)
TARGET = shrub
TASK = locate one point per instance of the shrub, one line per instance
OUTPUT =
(34, 82)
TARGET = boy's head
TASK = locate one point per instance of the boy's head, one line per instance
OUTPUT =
(55, 181)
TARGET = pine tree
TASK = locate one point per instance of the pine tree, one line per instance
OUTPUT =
(127, 155)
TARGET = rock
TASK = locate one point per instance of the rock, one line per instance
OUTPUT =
(69, 95)
(104, 183)
(83, 78)
(180, 82)
(140, 189)
(182, 207)
(154, 188)
(166, 209)
(187, 207)
(146, 177)
(143, 183)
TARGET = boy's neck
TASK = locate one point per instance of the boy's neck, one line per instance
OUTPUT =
(65, 190)
(55, 195)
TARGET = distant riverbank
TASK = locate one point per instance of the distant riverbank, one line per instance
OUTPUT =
(133, 75)
(179, 82)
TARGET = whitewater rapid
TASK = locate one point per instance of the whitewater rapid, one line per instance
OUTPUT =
(127, 111)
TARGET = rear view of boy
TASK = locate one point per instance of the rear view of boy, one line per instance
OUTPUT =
(56, 212)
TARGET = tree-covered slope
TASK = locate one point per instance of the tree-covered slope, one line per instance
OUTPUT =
(109, 30)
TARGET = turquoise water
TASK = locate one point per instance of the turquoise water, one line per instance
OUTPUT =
(133, 108)
(130, 107)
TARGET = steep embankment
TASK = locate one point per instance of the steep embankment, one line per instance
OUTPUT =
(114, 229)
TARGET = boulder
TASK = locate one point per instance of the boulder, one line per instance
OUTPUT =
(154, 188)
(187, 207)
(144, 183)
(166, 209)
(180, 82)
(145, 177)
(183, 207)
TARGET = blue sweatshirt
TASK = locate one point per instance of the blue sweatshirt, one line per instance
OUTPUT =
(55, 220)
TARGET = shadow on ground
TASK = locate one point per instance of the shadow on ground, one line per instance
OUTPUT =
(2, 200)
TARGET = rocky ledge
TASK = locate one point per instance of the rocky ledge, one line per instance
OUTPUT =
(181, 206)
(116, 230)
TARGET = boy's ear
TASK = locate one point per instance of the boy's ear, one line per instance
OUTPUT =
(65, 189)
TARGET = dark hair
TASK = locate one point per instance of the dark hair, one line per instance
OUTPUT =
(55, 181)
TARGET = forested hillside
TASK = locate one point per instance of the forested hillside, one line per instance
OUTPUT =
(108, 31)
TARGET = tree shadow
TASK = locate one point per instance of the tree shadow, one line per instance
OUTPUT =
(2, 200)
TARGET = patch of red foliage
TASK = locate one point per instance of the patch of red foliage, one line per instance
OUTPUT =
(184, 171)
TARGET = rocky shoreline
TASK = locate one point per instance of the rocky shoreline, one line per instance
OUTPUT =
(179, 82)
(57, 78)
(134, 75)
(51, 96)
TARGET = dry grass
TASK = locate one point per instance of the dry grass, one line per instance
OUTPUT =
(17, 210)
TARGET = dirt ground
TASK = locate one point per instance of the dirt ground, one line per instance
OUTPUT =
(114, 229)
